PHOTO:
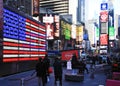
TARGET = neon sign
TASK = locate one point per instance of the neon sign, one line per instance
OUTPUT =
(23, 39)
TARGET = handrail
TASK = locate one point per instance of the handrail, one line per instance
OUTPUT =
(27, 78)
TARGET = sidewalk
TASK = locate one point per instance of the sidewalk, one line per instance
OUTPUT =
(16, 80)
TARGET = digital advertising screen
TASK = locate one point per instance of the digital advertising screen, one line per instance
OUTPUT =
(66, 29)
(23, 38)
(104, 16)
(79, 33)
(63, 23)
(50, 31)
(35, 6)
(103, 39)
(56, 26)
(111, 33)
(52, 26)
(67, 34)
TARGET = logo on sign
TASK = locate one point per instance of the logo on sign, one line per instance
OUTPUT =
(104, 16)
(104, 6)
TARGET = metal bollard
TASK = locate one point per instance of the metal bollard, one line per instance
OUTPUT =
(22, 81)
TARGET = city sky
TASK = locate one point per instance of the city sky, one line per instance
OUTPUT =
(94, 8)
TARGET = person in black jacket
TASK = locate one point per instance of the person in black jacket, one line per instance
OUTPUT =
(57, 65)
(74, 61)
(41, 72)
(47, 62)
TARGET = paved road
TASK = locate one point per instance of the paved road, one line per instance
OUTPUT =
(15, 80)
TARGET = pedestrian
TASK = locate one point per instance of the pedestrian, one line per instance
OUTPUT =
(109, 61)
(74, 61)
(85, 67)
(57, 65)
(46, 61)
(41, 72)
(93, 61)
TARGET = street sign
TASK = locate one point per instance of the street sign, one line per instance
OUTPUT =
(104, 6)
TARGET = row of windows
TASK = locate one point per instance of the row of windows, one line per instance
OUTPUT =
(57, 6)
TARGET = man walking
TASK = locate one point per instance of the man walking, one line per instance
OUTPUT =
(41, 72)
(58, 70)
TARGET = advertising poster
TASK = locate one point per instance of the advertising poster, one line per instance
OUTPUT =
(97, 33)
(56, 26)
(103, 39)
(52, 26)
(63, 23)
(35, 7)
(67, 55)
(50, 31)
(104, 16)
(67, 33)
(66, 29)
(111, 33)
(49, 20)
(79, 33)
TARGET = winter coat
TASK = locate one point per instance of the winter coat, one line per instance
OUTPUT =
(57, 67)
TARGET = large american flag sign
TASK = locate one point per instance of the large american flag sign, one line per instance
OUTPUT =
(23, 38)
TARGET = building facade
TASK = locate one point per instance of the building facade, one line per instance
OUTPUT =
(76, 8)
(21, 5)
(58, 6)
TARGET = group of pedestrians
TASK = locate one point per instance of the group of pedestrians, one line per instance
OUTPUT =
(42, 68)
(42, 71)
(77, 64)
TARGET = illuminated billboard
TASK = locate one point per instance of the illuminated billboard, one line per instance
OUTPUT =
(35, 6)
(56, 26)
(52, 26)
(23, 38)
(73, 32)
(103, 39)
(111, 33)
(104, 16)
(79, 33)
(66, 29)
(67, 54)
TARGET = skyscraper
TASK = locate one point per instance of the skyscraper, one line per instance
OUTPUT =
(81, 11)
(58, 6)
